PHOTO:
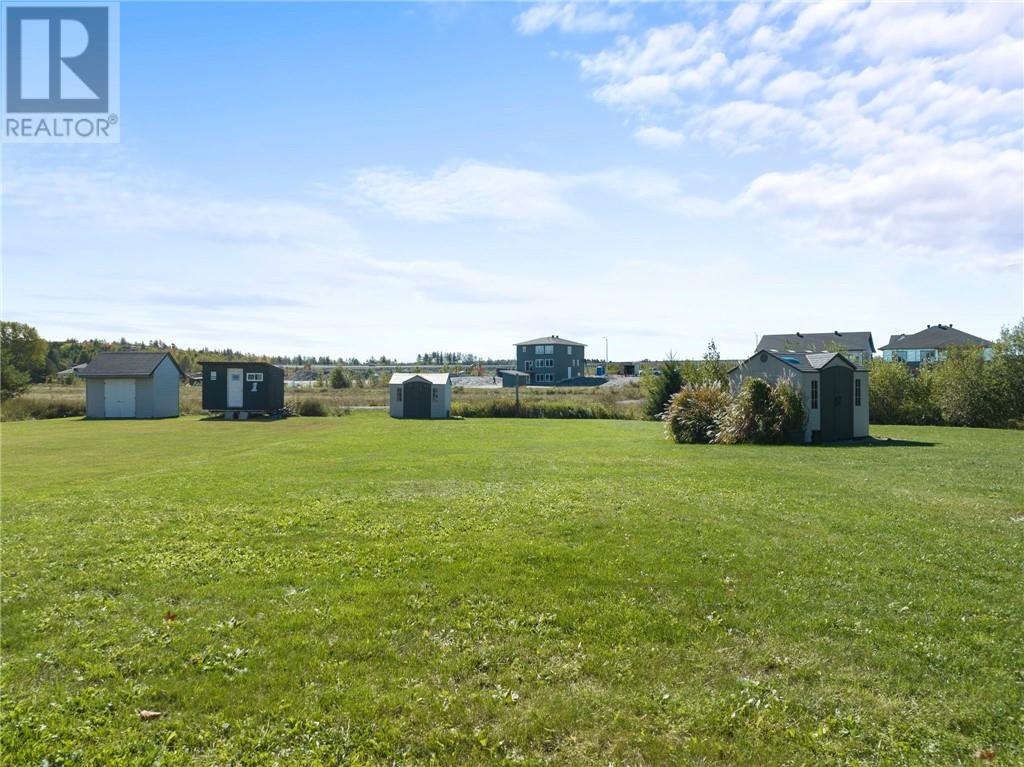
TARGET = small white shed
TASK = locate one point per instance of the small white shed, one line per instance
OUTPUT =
(131, 385)
(420, 395)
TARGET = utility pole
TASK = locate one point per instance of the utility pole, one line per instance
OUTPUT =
(605, 354)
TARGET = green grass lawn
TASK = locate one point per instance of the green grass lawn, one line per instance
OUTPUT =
(369, 591)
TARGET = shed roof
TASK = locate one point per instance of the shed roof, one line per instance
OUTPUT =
(434, 378)
(125, 365)
(803, 361)
(934, 337)
(852, 340)
(241, 363)
(550, 340)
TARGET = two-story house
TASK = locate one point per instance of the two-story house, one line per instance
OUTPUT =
(550, 359)
(930, 345)
(856, 345)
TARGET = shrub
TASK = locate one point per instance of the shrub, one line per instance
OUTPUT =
(898, 396)
(694, 412)
(30, 408)
(965, 389)
(314, 407)
(660, 388)
(339, 380)
(761, 414)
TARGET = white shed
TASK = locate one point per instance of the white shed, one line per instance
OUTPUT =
(420, 395)
(131, 385)
(834, 390)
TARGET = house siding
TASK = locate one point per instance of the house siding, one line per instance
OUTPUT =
(95, 398)
(165, 390)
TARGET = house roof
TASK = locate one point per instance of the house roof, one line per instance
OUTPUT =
(125, 365)
(434, 378)
(852, 340)
(805, 362)
(550, 340)
(934, 337)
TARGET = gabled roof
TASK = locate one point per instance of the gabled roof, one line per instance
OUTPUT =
(433, 378)
(851, 340)
(125, 365)
(934, 337)
(550, 340)
(803, 361)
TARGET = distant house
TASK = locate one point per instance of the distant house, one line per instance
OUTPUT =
(420, 395)
(930, 345)
(241, 389)
(834, 390)
(131, 385)
(856, 345)
(550, 359)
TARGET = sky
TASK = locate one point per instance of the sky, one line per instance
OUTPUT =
(354, 180)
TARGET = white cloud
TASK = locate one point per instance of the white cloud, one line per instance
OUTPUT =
(659, 138)
(743, 17)
(888, 108)
(571, 17)
(963, 199)
(469, 189)
(793, 86)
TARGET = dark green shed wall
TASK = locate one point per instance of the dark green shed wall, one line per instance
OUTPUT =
(269, 394)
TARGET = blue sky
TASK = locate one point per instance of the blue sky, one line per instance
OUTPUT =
(366, 179)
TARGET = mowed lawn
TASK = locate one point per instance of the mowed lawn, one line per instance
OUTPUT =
(369, 591)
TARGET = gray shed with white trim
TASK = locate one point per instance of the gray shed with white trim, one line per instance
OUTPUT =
(132, 385)
(834, 390)
(420, 395)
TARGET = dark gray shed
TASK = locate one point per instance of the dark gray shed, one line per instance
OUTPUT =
(238, 389)
(131, 385)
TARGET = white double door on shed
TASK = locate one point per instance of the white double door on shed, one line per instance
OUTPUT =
(235, 387)
(119, 398)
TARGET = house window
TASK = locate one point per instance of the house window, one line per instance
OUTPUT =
(545, 350)
(856, 392)
(814, 395)
(254, 376)
(529, 365)
(213, 375)
(398, 391)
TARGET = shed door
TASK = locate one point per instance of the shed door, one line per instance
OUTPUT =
(417, 399)
(235, 387)
(119, 397)
(836, 404)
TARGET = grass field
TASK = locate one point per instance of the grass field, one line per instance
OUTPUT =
(369, 591)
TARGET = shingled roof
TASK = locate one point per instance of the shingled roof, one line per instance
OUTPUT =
(125, 365)
(550, 340)
(851, 340)
(934, 337)
(802, 361)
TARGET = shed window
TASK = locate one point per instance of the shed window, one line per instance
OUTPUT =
(814, 395)
(398, 391)
(254, 376)
(213, 375)
(437, 393)
(856, 392)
